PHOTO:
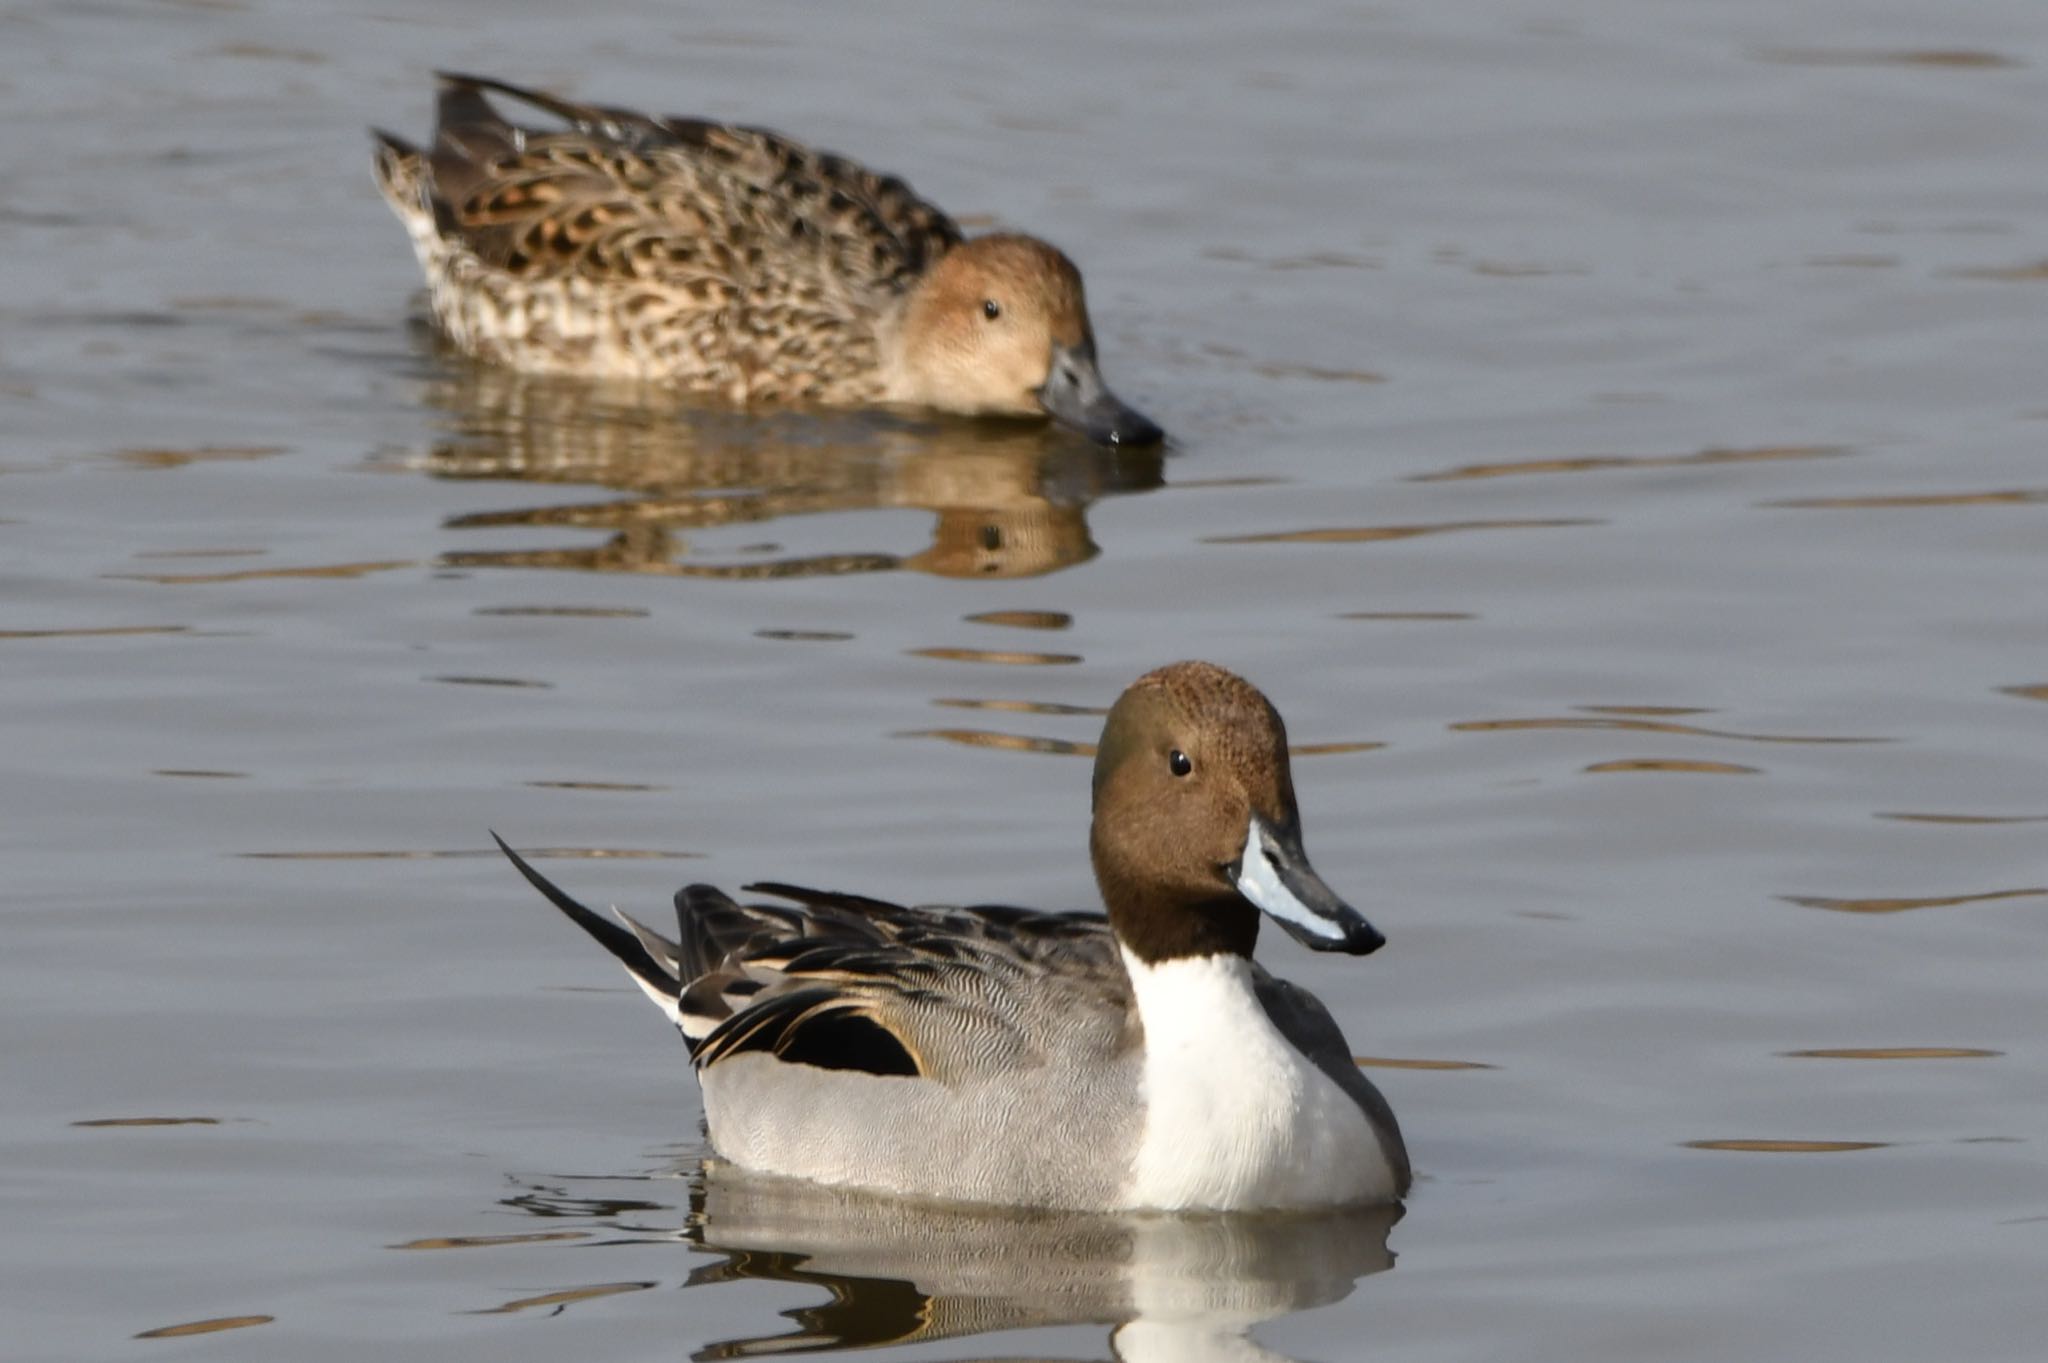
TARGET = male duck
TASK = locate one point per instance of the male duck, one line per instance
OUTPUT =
(735, 261)
(1007, 1055)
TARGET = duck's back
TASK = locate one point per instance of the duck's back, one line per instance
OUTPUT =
(694, 253)
(986, 1054)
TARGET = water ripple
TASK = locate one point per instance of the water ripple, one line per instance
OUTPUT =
(1673, 764)
(205, 1327)
(1595, 463)
(491, 1241)
(1902, 905)
(1023, 619)
(1003, 657)
(987, 738)
(530, 853)
(1942, 58)
(1785, 1147)
(564, 1297)
(1375, 534)
(1646, 726)
(1021, 707)
(1968, 819)
(1909, 500)
(330, 570)
(96, 632)
(1894, 1053)
(200, 454)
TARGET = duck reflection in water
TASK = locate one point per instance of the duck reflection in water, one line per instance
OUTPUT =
(1010, 498)
(1185, 1288)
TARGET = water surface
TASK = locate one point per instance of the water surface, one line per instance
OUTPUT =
(1612, 434)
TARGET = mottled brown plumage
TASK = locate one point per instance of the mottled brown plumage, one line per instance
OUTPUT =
(733, 261)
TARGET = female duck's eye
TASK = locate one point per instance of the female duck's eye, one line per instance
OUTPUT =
(991, 309)
(1178, 762)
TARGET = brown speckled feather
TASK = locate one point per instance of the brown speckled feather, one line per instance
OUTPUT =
(701, 254)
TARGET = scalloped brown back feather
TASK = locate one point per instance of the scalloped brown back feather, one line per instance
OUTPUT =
(703, 254)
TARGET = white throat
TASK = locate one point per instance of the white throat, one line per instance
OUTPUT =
(1235, 1117)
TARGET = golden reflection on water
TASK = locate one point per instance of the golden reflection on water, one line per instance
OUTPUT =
(1021, 707)
(1902, 905)
(1003, 657)
(1023, 619)
(1383, 1062)
(205, 1327)
(198, 454)
(329, 570)
(1893, 1053)
(1909, 500)
(1642, 726)
(1595, 463)
(988, 738)
(1010, 500)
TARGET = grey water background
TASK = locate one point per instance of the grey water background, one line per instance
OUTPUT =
(1612, 433)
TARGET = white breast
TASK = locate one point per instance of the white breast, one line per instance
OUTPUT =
(1235, 1117)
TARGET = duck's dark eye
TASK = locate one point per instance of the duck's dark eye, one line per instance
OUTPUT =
(991, 309)
(1178, 762)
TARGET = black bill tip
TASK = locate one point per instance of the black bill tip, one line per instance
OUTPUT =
(1075, 395)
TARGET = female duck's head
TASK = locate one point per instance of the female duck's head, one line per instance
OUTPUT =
(999, 327)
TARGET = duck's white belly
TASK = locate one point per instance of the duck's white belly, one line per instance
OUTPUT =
(1235, 1117)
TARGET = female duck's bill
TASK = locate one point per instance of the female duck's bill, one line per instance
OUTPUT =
(1075, 395)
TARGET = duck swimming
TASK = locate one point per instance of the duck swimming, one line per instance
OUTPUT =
(1005, 1055)
(733, 261)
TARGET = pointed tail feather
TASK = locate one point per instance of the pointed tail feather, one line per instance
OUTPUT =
(397, 166)
(462, 103)
(646, 966)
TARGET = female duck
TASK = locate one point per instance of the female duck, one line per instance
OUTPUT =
(1012, 1056)
(734, 261)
